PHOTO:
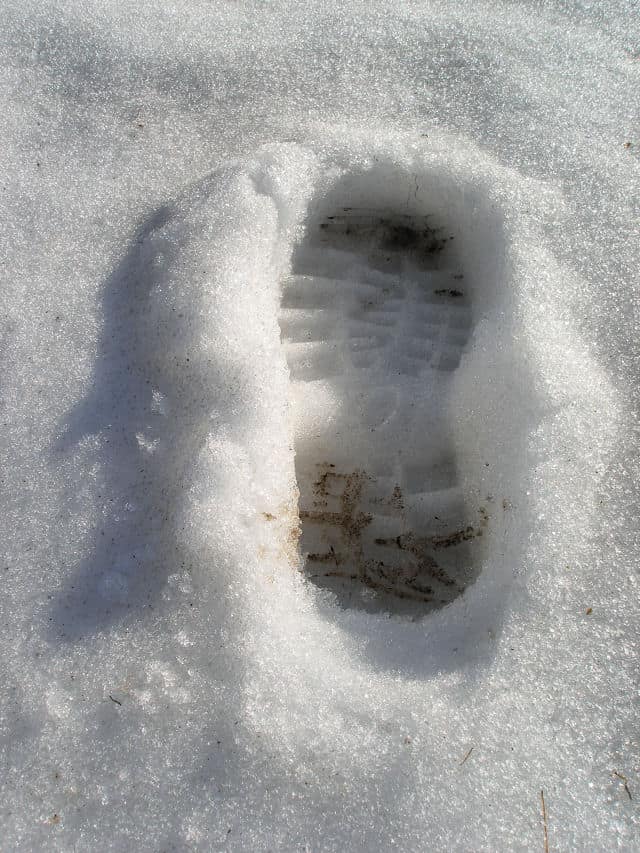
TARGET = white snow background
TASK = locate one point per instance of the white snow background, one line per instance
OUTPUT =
(169, 680)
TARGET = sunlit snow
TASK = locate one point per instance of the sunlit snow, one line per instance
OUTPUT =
(319, 528)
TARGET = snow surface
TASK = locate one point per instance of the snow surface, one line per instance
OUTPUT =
(170, 679)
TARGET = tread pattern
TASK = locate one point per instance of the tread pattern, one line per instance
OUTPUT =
(372, 330)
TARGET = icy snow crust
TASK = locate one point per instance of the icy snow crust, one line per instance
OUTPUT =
(172, 678)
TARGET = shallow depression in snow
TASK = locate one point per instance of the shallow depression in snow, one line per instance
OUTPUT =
(375, 316)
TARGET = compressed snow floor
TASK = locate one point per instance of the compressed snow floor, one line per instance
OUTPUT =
(319, 427)
(372, 324)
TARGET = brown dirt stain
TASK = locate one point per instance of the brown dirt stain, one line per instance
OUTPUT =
(411, 575)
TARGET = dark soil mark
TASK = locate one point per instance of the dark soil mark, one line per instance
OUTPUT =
(443, 291)
(391, 232)
(403, 566)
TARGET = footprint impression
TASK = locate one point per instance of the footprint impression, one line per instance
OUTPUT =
(374, 319)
